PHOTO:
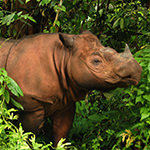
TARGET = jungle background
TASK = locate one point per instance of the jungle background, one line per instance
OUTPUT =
(118, 120)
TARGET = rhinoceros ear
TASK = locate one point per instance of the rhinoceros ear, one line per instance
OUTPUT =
(66, 40)
(86, 31)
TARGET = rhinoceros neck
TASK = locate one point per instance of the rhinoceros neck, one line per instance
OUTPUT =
(62, 58)
(75, 90)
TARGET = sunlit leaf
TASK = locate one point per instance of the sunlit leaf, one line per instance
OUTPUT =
(8, 19)
(2, 90)
(15, 103)
(101, 12)
(57, 23)
(116, 23)
(144, 113)
(122, 23)
(14, 88)
(27, 1)
(45, 2)
(7, 96)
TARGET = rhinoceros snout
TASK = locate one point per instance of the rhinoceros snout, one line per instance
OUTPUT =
(131, 73)
(129, 69)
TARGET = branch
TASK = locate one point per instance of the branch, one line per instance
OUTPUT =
(57, 14)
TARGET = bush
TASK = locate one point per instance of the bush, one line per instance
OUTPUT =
(119, 119)
(11, 137)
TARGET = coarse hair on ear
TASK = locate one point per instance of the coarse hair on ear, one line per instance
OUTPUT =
(67, 40)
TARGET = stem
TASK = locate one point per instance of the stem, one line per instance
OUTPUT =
(12, 5)
(57, 14)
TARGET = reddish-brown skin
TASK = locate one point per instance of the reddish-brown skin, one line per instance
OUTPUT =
(56, 70)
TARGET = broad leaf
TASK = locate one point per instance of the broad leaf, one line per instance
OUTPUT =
(15, 103)
(7, 96)
(14, 88)
(116, 23)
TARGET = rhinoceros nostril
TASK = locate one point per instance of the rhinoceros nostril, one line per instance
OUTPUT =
(127, 77)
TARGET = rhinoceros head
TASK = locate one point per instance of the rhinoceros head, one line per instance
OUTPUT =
(93, 66)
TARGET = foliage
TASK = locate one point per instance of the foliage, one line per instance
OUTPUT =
(6, 81)
(114, 22)
(12, 137)
(118, 120)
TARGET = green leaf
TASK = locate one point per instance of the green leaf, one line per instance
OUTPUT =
(148, 77)
(45, 2)
(15, 103)
(140, 92)
(112, 18)
(1, 79)
(53, 29)
(148, 33)
(116, 23)
(148, 67)
(7, 96)
(74, 2)
(147, 97)
(130, 104)
(144, 113)
(21, 2)
(26, 16)
(8, 19)
(122, 23)
(144, 116)
(138, 99)
(1, 14)
(3, 72)
(61, 145)
(27, 1)
(19, 13)
(97, 117)
(14, 88)
(63, 8)
(31, 18)
(2, 90)
(101, 12)
(57, 23)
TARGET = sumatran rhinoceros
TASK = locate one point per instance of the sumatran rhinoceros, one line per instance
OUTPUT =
(56, 70)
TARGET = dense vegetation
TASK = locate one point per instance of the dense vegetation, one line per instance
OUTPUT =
(118, 120)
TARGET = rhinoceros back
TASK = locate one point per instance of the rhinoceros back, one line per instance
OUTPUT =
(31, 64)
(5, 47)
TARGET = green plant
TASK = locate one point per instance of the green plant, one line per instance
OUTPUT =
(139, 104)
(119, 119)
(12, 137)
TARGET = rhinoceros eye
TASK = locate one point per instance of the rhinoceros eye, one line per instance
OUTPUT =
(96, 62)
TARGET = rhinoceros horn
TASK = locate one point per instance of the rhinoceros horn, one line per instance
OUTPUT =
(127, 52)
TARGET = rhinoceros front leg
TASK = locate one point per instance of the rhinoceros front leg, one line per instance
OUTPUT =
(62, 122)
(32, 118)
(33, 121)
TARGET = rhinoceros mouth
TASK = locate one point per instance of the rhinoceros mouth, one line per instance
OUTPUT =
(123, 82)
(130, 81)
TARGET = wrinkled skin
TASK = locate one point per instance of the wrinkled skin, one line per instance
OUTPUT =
(56, 70)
